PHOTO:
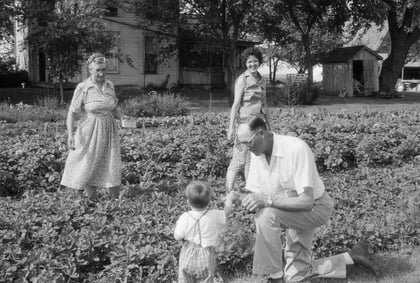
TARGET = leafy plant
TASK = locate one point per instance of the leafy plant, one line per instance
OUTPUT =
(155, 105)
(368, 162)
(24, 112)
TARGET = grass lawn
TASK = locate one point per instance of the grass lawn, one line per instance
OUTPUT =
(202, 103)
(398, 267)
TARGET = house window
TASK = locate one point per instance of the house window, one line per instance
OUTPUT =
(150, 55)
(111, 11)
(112, 58)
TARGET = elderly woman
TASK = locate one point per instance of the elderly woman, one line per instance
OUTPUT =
(250, 101)
(94, 159)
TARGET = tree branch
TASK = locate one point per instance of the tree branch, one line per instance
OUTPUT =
(408, 18)
(294, 18)
(392, 21)
(414, 35)
(391, 4)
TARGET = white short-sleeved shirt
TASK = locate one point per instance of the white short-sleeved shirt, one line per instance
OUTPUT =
(292, 167)
(211, 225)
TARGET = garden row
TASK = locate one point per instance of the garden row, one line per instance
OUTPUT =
(367, 160)
(58, 237)
(33, 154)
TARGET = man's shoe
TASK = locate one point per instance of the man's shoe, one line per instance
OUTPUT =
(360, 255)
(275, 280)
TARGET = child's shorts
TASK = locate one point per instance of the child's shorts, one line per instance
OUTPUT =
(196, 264)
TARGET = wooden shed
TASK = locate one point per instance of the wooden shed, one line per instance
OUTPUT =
(349, 71)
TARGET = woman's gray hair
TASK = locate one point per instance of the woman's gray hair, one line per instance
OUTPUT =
(97, 58)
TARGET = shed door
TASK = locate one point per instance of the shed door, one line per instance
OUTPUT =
(370, 76)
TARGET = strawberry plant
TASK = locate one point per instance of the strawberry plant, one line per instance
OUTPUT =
(368, 161)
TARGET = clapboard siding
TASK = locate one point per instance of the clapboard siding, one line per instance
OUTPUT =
(338, 72)
(338, 78)
(131, 43)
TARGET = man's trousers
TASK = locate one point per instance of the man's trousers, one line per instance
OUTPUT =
(300, 227)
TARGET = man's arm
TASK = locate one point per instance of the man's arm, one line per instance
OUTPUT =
(302, 202)
(231, 199)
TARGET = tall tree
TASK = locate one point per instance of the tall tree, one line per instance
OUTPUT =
(304, 25)
(403, 20)
(222, 22)
(66, 31)
(7, 11)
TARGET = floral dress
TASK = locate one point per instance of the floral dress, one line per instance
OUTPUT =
(96, 160)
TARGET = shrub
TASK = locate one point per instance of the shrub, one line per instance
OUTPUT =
(48, 101)
(13, 78)
(155, 105)
(296, 93)
(24, 112)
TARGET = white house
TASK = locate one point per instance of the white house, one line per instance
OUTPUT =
(140, 44)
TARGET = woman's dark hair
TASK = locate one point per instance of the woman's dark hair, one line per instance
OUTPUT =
(198, 194)
(252, 51)
(257, 123)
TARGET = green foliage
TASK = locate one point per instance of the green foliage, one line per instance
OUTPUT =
(7, 11)
(12, 78)
(402, 18)
(155, 105)
(7, 65)
(208, 23)
(368, 161)
(296, 93)
(67, 30)
(302, 30)
(24, 112)
(47, 101)
(59, 236)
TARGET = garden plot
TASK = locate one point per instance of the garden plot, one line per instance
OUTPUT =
(367, 160)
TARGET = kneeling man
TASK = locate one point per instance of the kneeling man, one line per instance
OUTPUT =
(288, 193)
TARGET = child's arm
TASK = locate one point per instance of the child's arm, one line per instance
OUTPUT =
(231, 198)
(179, 229)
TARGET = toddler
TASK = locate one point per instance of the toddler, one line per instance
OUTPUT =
(200, 228)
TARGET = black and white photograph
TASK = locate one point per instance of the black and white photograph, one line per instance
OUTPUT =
(210, 141)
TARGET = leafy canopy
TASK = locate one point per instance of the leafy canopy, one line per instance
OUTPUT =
(67, 31)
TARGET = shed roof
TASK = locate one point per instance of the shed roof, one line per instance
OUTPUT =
(344, 54)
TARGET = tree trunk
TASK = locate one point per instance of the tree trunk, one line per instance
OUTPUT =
(270, 60)
(231, 72)
(402, 37)
(60, 83)
(391, 69)
(276, 63)
(308, 57)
